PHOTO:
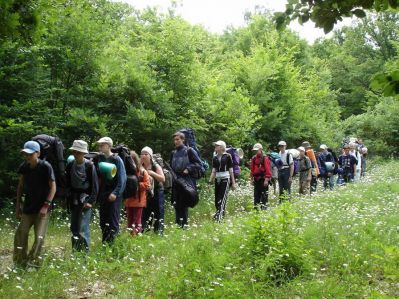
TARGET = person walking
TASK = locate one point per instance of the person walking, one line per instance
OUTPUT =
(305, 172)
(111, 191)
(154, 213)
(186, 165)
(327, 166)
(347, 163)
(286, 171)
(261, 175)
(223, 175)
(82, 183)
(37, 183)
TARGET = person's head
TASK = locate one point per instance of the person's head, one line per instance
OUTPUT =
(302, 151)
(306, 144)
(323, 148)
(79, 149)
(346, 149)
(220, 146)
(146, 155)
(282, 145)
(352, 146)
(178, 139)
(31, 151)
(105, 144)
(135, 157)
(360, 141)
(258, 148)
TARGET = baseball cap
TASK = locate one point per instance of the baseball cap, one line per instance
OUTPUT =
(148, 150)
(106, 140)
(220, 142)
(31, 147)
(282, 143)
(257, 146)
(323, 146)
(301, 148)
(79, 146)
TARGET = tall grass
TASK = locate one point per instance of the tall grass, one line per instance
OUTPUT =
(340, 244)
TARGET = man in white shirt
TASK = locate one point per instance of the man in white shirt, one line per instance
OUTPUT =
(286, 172)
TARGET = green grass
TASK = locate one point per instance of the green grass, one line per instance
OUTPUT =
(340, 244)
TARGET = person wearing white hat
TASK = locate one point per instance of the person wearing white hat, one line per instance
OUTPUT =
(286, 172)
(305, 172)
(154, 213)
(82, 182)
(327, 166)
(37, 183)
(355, 152)
(222, 173)
(261, 175)
(111, 191)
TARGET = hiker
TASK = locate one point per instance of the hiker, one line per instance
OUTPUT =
(82, 183)
(223, 176)
(154, 213)
(286, 171)
(111, 191)
(261, 175)
(305, 172)
(315, 167)
(363, 151)
(186, 165)
(134, 205)
(327, 167)
(347, 163)
(37, 183)
(354, 152)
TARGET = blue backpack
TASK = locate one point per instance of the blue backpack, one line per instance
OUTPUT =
(190, 141)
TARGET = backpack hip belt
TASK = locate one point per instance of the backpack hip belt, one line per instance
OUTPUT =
(223, 174)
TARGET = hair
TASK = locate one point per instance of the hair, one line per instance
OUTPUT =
(180, 135)
(136, 159)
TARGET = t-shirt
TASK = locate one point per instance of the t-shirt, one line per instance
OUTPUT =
(79, 178)
(283, 158)
(36, 185)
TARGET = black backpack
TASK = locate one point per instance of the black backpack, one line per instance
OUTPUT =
(132, 182)
(52, 151)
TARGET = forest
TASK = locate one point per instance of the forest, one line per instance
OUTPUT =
(89, 68)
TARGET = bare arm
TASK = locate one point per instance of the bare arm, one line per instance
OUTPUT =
(213, 174)
(158, 175)
(19, 196)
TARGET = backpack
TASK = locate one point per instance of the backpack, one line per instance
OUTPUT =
(132, 181)
(236, 160)
(88, 169)
(157, 159)
(191, 142)
(52, 151)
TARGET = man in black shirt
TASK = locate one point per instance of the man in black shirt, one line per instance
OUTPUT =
(37, 183)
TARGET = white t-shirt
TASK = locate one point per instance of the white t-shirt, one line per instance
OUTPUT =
(283, 158)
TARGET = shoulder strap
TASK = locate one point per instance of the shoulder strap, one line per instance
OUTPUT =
(288, 158)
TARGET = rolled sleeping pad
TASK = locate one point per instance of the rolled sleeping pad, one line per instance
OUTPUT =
(294, 152)
(311, 155)
(106, 168)
(109, 169)
(330, 166)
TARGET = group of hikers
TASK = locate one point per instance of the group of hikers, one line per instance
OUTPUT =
(116, 176)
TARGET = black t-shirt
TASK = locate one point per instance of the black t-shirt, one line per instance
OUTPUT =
(36, 185)
(224, 164)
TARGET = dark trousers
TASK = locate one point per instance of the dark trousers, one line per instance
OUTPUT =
(313, 184)
(283, 183)
(154, 213)
(180, 204)
(109, 217)
(261, 194)
(80, 221)
(221, 192)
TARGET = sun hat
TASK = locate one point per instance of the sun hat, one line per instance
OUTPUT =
(79, 146)
(220, 142)
(282, 143)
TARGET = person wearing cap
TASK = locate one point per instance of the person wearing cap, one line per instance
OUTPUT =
(186, 164)
(261, 175)
(37, 183)
(286, 171)
(327, 166)
(355, 152)
(305, 172)
(82, 183)
(111, 191)
(223, 175)
(347, 163)
(315, 166)
(154, 213)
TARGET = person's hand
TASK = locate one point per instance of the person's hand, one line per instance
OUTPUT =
(266, 183)
(233, 186)
(185, 171)
(43, 211)
(150, 172)
(87, 205)
(290, 179)
(112, 197)
(252, 182)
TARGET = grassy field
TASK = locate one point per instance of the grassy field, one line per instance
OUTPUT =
(340, 244)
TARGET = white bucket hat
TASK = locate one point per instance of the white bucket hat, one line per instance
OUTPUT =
(79, 146)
